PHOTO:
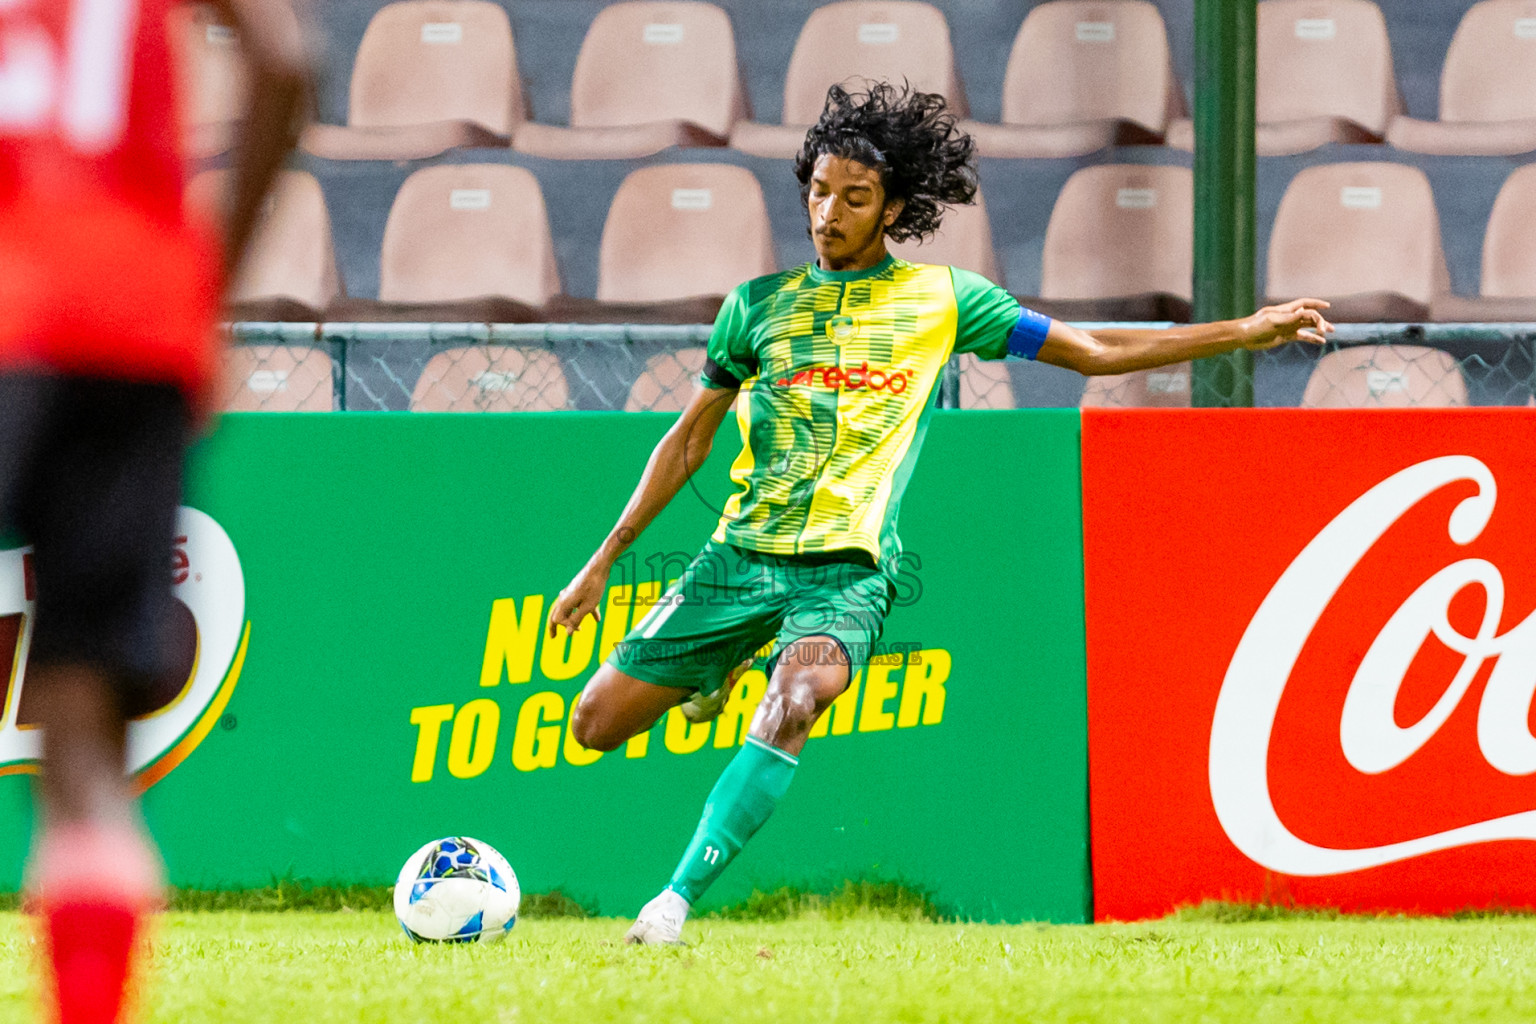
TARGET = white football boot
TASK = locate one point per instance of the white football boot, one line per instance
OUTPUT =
(660, 922)
(701, 708)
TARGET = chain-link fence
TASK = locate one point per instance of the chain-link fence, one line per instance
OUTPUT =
(557, 367)
(464, 367)
(1362, 366)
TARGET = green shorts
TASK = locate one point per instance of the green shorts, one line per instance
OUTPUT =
(730, 602)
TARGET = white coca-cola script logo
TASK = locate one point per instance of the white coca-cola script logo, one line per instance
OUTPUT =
(1372, 740)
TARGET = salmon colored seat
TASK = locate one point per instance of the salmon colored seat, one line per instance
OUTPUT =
(1084, 74)
(984, 383)
(491, 378)
(667, 383)
(290, 271)
(849, 42)
(1166, 387)
(212, 78)
(677, 239)
(430, 76)
(1385, 377)
(1508, 291)
(1364, 236)
(1487, 87)
(278, 378)
(650, 75)
(1325, 75)
(1120, 245)
(466, 242)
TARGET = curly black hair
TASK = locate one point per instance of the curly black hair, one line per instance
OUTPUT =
(910, 137)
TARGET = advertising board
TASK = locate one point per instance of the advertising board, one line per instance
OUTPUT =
(396, 682)
(1311, 658)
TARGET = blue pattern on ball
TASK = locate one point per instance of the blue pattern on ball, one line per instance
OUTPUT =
(455, 858)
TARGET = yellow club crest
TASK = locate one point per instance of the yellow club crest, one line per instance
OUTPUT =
(842, 328)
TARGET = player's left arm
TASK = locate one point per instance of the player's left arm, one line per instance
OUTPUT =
(279, 77)
(1124, 350)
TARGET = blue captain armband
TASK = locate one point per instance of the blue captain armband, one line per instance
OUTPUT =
(1028, 334)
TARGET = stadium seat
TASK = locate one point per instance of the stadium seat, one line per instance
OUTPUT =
(985, 384)
(964, 241)
(1120, 245)
(278, 378)
(491, 378)
(677, 239)
(667, 382)
(1386, 377)
(890, 40)
(1325, 75)
(464, 242)
(1508, 291)
(211, 72)
(650, 75)
(290, 269)
(1167, 387)
(1084, 74)
(1487, 87)
(1365, 236)
(430, 76)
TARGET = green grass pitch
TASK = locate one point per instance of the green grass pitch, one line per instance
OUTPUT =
(323, 967)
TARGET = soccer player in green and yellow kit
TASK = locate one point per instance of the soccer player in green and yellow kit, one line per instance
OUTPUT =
(836, 365)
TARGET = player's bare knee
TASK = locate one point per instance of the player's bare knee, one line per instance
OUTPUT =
(593, 729)
(794, 696)
(816, 666)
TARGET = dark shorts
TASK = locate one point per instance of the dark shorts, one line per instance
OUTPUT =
(730, 602)
(90, 476)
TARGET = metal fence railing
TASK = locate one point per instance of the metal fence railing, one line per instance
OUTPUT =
(1367, 366)
(629, 367)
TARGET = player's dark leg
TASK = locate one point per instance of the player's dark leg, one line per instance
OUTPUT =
(99, 504)
(103, 497)
(615, 706)
(84, 743)
(809, 676)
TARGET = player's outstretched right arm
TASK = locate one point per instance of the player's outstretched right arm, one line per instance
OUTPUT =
(1116, 350)
(682, 451)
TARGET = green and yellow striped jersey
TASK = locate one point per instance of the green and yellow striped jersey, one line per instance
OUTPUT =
(839, 373)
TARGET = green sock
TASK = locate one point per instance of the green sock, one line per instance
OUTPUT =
(748, 791)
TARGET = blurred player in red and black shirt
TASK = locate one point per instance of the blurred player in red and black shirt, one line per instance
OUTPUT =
(108, 355)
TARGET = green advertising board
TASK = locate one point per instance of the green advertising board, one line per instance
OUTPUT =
(394, 682)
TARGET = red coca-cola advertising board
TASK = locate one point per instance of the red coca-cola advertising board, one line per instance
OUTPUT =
(1311, 658)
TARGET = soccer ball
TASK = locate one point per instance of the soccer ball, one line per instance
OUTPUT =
(456, 890)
